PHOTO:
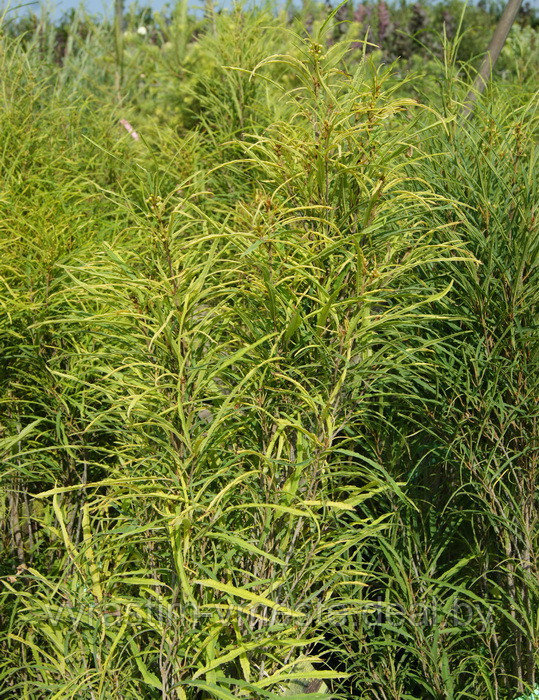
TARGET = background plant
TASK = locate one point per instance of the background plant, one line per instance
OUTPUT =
(267, 372)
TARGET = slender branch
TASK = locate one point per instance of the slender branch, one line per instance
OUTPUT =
(118, 44)
(494, 49)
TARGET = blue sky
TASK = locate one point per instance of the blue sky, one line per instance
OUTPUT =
(98, 7)
(58, 7)
(101, 7)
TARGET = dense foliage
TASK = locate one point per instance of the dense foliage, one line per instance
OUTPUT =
(268, 336)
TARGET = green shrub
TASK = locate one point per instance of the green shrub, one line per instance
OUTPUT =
(268, 418)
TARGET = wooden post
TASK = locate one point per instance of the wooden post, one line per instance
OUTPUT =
(494, 48)
(118, 40)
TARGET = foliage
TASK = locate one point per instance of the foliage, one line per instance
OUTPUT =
(268, 420)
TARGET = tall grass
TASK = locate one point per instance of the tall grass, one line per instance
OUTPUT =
(268, 421)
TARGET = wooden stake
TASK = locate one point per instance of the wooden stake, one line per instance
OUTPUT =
(494, 49)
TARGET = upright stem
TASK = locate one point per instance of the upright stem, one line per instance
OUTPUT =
(493, 51)
(209, 13)
(118, 41)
